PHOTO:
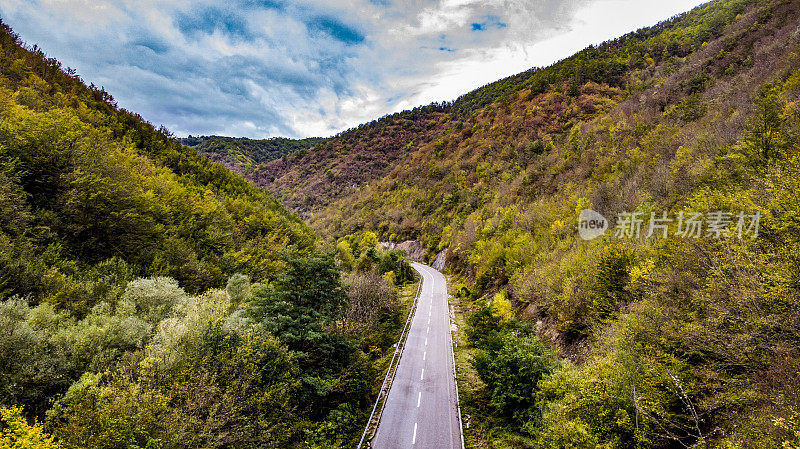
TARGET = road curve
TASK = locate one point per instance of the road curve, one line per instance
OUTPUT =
(422, 406)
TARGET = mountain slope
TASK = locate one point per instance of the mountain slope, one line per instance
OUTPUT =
(312, 180)
(92, 182)
(494, 147)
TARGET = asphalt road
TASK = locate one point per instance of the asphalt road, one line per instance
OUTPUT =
(422, 406)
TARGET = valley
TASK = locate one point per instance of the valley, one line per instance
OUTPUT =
(216, 292)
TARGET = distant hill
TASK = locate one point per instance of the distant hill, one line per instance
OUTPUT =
(243, 155)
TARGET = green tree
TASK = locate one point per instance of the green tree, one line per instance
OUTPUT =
(486, 328)
(151, 299)
(612, 278)
(309, 285)
(297, 308)
(368, 240)
(14, 211)
(238, 287)
(344, 254)
(395, 261)
(765, 138)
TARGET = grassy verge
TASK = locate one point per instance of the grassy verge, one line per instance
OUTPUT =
(483, 428)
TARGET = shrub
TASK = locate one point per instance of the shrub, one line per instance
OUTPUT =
(395, 261)
(151, 299)
(485, 327)
(238, 287)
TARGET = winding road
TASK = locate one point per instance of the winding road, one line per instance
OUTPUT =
(422, 406)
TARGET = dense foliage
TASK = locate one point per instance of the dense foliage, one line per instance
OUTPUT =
(363, 253)
(89, 191)
(338, 168)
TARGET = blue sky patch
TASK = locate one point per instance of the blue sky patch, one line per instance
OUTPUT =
(264, 4)
(208, 20)
(489, 22)
(157, 46)
(336, 29)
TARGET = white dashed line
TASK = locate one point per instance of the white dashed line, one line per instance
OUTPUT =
(422, 374)
(414, 438)
(419, 398)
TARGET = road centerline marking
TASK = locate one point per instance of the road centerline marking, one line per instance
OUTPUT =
(397, 415)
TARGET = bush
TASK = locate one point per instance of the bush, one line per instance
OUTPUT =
(230, 390)
(486, 327)
(238, 288)
(395, 261)
(45, 350)
(151, 299)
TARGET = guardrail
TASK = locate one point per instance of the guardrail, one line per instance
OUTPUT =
(374, 419)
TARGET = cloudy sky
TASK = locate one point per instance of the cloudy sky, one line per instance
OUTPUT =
(263, 68)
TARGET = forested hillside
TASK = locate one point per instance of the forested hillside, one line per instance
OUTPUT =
(150, 298)
(243, 155)
(615, 342)
(311, 180)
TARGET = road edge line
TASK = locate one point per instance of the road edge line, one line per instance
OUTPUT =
(455, 372)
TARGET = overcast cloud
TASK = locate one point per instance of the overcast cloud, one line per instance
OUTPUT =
(312, 68)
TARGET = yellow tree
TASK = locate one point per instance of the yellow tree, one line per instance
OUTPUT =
(18, 434)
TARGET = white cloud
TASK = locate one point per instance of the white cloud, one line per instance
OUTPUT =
(263, 68)
(594, 23)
